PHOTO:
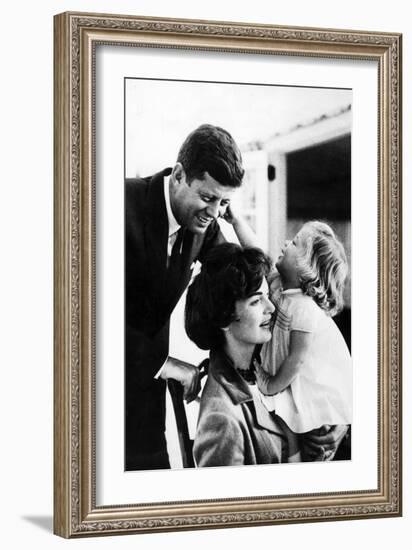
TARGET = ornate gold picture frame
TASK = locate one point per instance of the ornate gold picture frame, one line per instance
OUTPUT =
(77, 511)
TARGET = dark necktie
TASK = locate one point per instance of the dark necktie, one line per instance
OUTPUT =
(175, 261)
(176, 246)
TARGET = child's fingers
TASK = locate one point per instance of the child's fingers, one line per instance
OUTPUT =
(260, 375)
(259, 371)
(262, 381)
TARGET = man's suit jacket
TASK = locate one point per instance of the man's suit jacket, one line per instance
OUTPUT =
(149, 297)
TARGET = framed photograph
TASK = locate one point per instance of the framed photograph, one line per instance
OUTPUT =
(227, 274)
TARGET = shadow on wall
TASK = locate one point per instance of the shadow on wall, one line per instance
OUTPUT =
(43, 522)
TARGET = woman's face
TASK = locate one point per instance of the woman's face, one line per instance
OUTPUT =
(253, 324)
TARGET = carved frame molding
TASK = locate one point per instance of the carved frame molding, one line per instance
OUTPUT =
(76, 36)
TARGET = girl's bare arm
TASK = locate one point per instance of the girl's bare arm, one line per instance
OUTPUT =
(290, 368)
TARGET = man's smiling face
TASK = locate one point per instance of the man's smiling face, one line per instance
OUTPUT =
(196, 204)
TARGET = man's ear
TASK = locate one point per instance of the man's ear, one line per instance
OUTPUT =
(178, 173)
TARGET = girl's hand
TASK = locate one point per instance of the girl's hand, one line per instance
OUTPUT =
(242, 229)
(231, 215)
(263, 380)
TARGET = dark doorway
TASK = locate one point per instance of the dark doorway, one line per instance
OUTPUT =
(319, 187)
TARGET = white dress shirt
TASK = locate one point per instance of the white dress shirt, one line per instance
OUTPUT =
(173, 224)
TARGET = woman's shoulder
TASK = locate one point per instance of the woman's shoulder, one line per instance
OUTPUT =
(216, 405)
(223, 391)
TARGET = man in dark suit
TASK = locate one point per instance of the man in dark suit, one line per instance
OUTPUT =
(171, 221)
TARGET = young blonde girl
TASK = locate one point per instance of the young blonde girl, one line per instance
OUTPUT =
(305, 376)
(306, 371)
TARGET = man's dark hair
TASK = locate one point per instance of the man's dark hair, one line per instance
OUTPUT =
(229, 273)
(213, 150)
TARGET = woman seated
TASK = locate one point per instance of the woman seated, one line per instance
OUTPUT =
(228, 311)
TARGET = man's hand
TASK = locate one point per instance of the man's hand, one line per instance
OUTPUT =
(323, 443)
(185, 373)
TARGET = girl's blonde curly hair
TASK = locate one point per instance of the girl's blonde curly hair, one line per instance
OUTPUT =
(322, 266)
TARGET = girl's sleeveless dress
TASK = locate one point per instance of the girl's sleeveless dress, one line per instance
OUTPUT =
(322, 393)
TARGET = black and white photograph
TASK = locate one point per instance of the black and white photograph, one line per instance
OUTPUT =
(237, 274)
(205, 300)
(227, 275)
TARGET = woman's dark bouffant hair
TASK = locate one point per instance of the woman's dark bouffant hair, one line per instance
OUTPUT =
(228, 274)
